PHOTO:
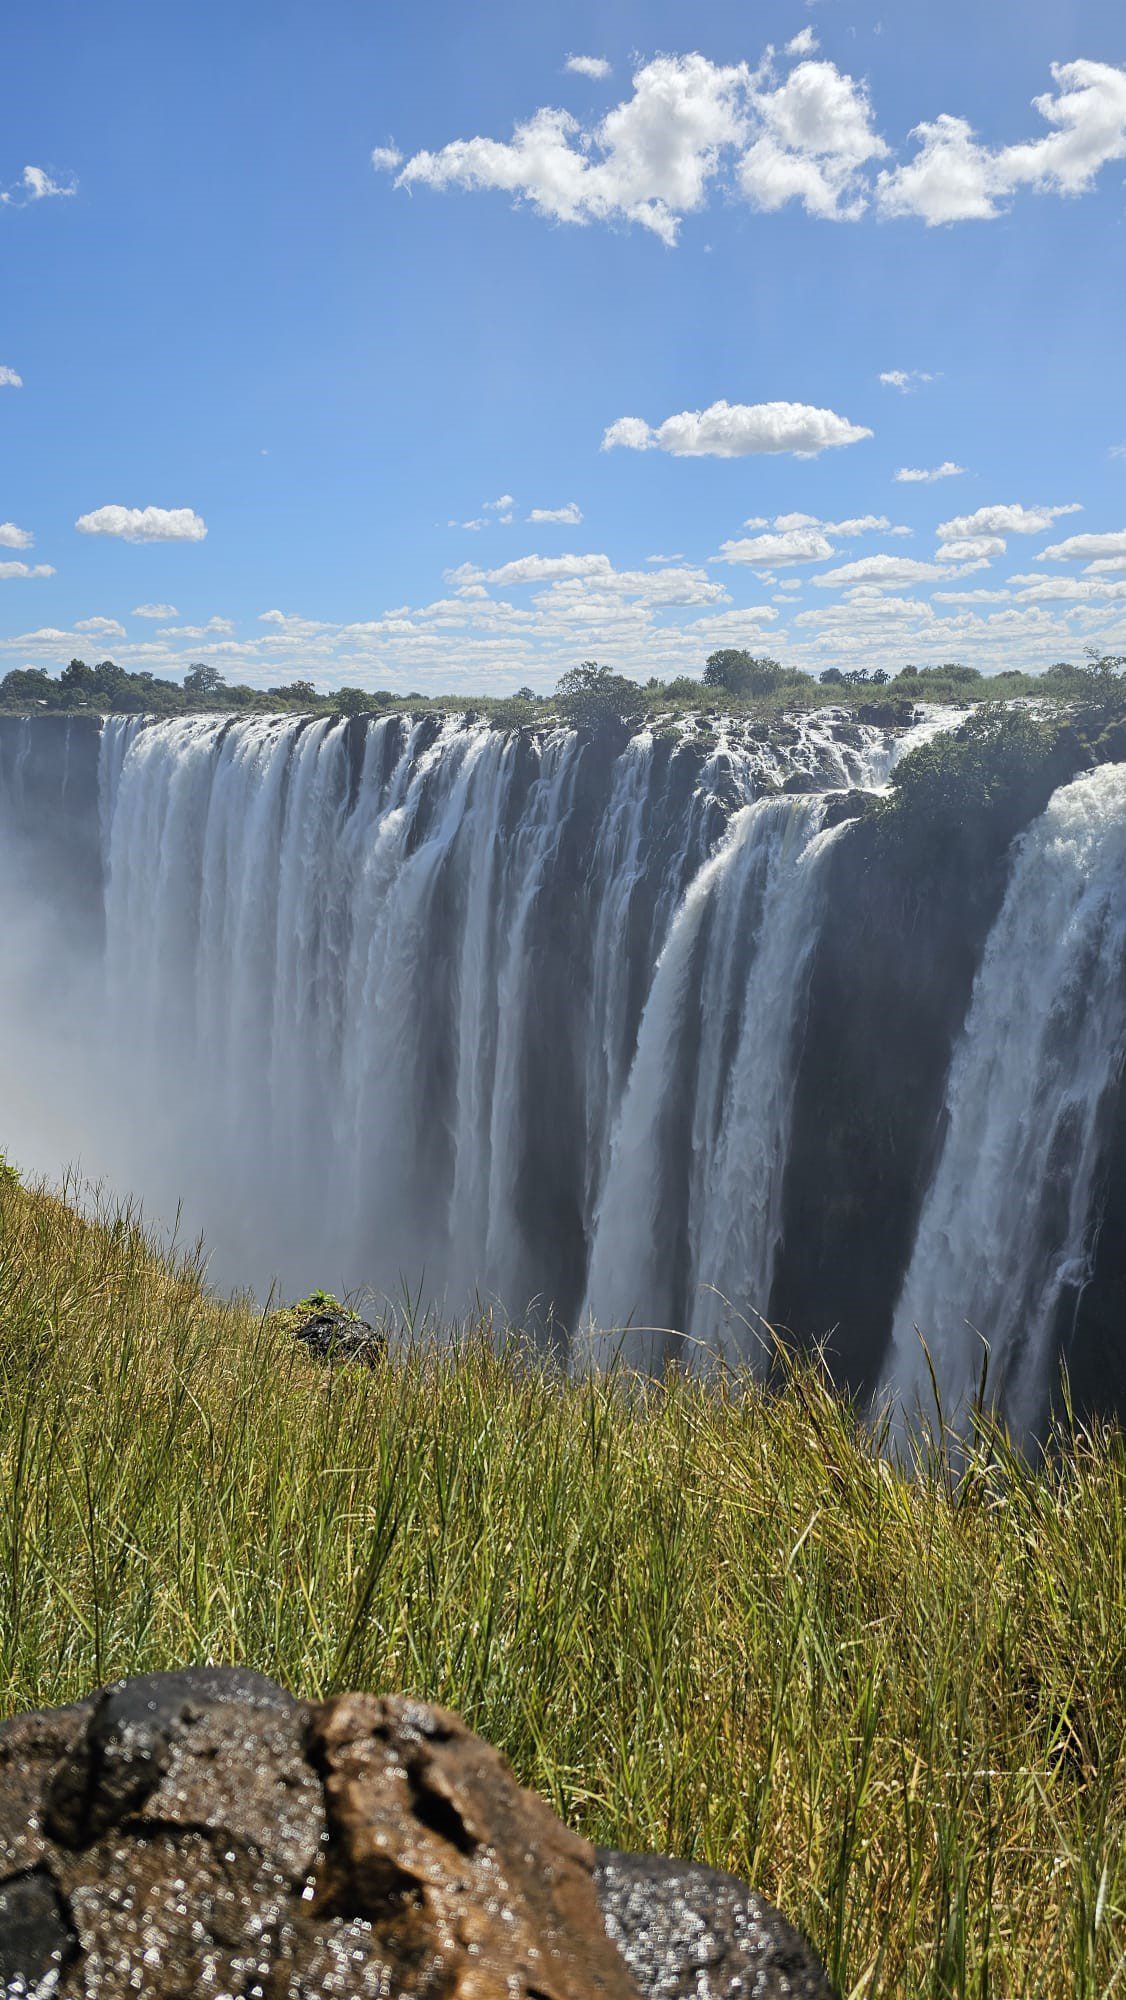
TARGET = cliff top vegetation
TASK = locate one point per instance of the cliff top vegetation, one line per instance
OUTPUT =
(711, 1621)
(733, 681)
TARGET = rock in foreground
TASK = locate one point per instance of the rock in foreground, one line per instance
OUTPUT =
(202, 1833)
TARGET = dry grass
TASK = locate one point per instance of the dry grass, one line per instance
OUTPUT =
(703, 1620)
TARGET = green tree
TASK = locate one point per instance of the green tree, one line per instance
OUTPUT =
(298, 691)
(592, 697)
(200, 679)
(738, 672)
(351, 701)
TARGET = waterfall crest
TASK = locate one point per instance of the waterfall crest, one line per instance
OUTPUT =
(378, 986)
(1005, 1232)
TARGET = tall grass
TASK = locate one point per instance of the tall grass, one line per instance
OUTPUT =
(704, 1620)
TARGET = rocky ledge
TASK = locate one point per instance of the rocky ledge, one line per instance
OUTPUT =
(203, 1833)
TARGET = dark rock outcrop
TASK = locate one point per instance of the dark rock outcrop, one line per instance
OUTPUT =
(203, 1832)
(337, 1335)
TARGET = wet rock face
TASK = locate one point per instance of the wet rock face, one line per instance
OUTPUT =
(202, 1833)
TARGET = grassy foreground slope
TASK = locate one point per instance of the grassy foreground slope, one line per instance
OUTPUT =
(706, 1622)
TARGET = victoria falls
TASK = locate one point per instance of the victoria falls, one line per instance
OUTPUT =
(563, 1001)
(647, 1039)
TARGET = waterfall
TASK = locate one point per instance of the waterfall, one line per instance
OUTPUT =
(374, 994)
(690, 1217)
(1005, 1235)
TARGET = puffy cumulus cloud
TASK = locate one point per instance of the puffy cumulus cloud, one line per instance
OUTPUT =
(881, 570)
(593, 66)
(14, 569)
(144, 524)
(738, 430)
(9, 379)
(154, 611)
(815, 136)
(954, 178)
(904, 379)
(539, 569)
(914, 475)
(500, 509)
(1014, 520)
(1067, 589)
(649, 161)
(566, 517)
(12, 537)
(971, 548)
(801, 538)
(35, 184)
(792, 545)
(691, 127)
(632, 587)
(220, 628)
(1086, 548)
(100, 628)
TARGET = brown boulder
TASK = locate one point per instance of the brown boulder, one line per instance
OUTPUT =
(202, 1833)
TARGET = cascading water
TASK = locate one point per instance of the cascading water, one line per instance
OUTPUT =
(378, 987)
(1006, 1229)
(690, 1216)
(425, 1005)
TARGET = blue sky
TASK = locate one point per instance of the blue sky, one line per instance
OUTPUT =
(316, 368)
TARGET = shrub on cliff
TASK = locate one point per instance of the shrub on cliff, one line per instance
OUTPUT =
(592, 697)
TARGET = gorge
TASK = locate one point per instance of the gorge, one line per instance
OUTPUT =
(652, 1041)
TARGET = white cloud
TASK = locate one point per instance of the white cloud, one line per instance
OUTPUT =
(815, 136)
(154, 611)
(971, 597)
(954, 178)
(543, 569)
(1014, 520)
(214, 628)
(649, 160)
(971, 548)
(1117, 451)
(9, 379)
(881, 570)
(594, 66)
(1085, 548)
(911, 475)
(144, 524)
(500, 506)
(864, 524)
(11, 569)
(101, 628)
(692, 127)
(1067, 590)
(566, 517)
(34, 184)
(904, 378)
(793, 545)
(667, 559)
(738, 430)
(12, 537)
